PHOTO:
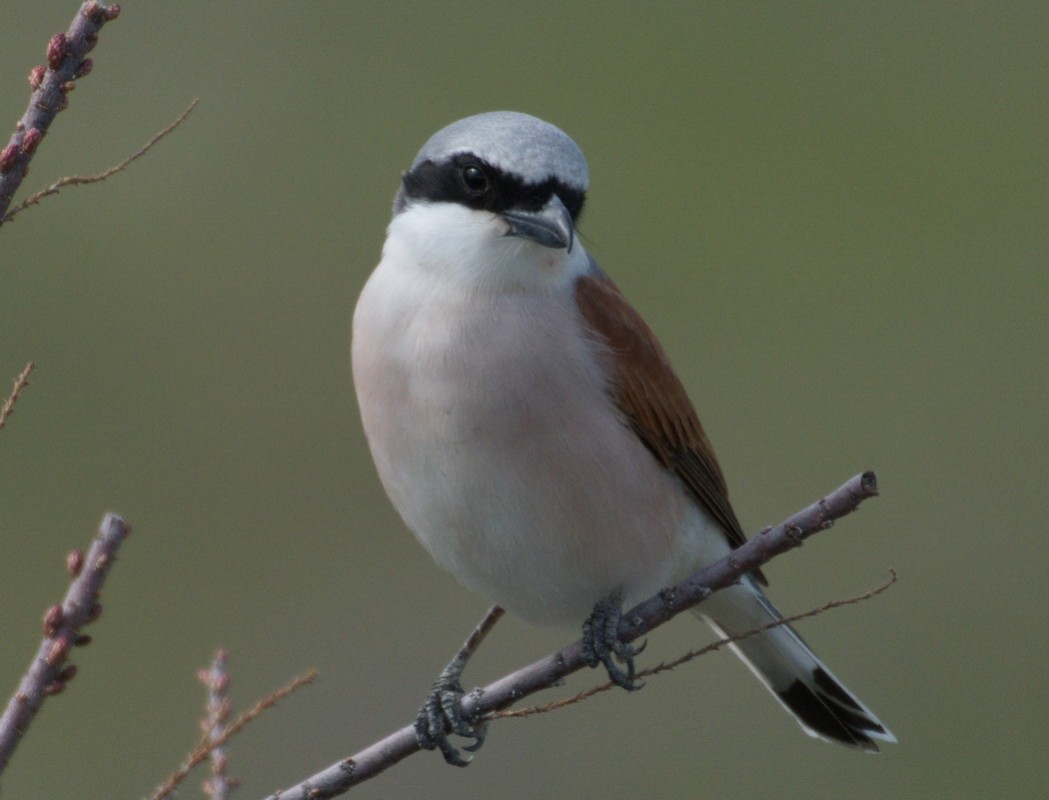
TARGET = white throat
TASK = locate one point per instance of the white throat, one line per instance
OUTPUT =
(466, 250)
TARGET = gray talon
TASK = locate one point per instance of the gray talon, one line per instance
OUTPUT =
(443, 712)
(601, 644)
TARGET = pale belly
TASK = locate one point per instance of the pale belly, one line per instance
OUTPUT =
(497, 443)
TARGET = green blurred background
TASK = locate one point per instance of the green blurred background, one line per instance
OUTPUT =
(836, 217)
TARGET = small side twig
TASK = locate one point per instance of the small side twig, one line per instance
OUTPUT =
(51, 84)
(79, 180)
(343, 775)
(48, 673)
(691, 655)
(208, 743)
(216, 679)
(21, 382)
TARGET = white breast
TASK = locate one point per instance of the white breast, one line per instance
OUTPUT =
(488, 418)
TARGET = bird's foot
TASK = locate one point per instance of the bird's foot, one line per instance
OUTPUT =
(602, 645)
(442, 714)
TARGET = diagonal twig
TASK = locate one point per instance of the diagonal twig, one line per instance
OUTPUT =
(691, 655)
(79, 180)
(209, 743)
(21, 382)
(48, 674)
(51, 84)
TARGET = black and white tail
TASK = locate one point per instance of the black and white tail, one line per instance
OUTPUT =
(784, 663)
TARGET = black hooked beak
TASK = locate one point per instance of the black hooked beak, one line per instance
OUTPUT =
(551, 226)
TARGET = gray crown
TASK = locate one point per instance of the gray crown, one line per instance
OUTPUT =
(513, 142)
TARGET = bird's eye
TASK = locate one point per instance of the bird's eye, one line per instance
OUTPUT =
(474, 179)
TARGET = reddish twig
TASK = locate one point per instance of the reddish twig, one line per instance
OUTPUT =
(80, 180)
(51, 83)
(208, 743)
(49, 674)
(550, 671)
(21, 382)
(691, 655)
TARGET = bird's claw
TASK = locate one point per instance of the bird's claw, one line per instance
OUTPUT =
(441, 714)
(602, 645)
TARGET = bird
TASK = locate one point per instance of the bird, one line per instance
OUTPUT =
(530, 430)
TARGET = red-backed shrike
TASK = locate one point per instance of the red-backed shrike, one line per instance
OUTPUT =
(529, 427)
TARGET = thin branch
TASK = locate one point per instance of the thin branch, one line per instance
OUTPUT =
(21, 382)
(51, 85)
(553, 669)
(691, 655)
(79, 180)
(48, 674)
(208, 743)
(216, 679)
